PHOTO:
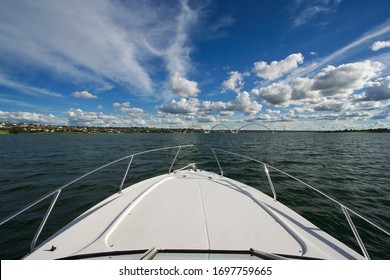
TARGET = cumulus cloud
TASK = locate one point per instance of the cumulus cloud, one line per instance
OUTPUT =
(380, 45)
(183, 106)
(276, 94)
(377, 90)
(301, 89)
(346, 78)
(206, 119)
(331, 105)
(243, 103)
(234, 83)
(118, 104)
(277, 69)
(133, 112)
(28, 117)
(84, 95)
(79, 117)
(330, 81)
(183, 87)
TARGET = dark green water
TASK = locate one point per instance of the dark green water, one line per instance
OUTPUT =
(352, 167)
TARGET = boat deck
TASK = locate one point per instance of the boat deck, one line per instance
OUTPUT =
(192, 210)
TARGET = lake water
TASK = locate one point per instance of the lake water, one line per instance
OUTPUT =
(352, 167)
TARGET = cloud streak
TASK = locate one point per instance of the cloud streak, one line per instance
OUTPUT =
(306, 11)
(99, 41)
(348, 50)
(30, 90)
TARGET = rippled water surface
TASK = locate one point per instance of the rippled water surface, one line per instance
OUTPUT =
(354, 168)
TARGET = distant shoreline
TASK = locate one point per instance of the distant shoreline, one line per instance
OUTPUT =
(24, 128)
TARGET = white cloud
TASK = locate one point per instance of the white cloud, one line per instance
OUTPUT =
(277, 69)
(308, 11)
(301, 89)
(330, 81)
(84, 95)
(234, 83)
(118, 105)
(382, 115)
(183, 87)
(79, 117)
(28, 117)
(183, 106)
(84, 40)
(107, 43)
(243, 103)
(331, 105)
(206, 119)
(348, 50)
(346, 78)
(380, 45)
(272, 112)
(133, 112)
(377, 90)
(277, 94)
(171, 120)
(177, 54)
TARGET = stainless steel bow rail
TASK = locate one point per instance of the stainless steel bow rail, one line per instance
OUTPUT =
(56, 193)
(346, 210)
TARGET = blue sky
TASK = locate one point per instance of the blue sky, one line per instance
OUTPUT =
(320, 64)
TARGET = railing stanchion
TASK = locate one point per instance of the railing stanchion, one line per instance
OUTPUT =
(355, 232)
(34, 241)
(174, 160)
(127, 171)
(215, 155)
(271, 185)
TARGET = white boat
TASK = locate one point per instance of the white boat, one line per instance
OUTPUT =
(192, 213)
